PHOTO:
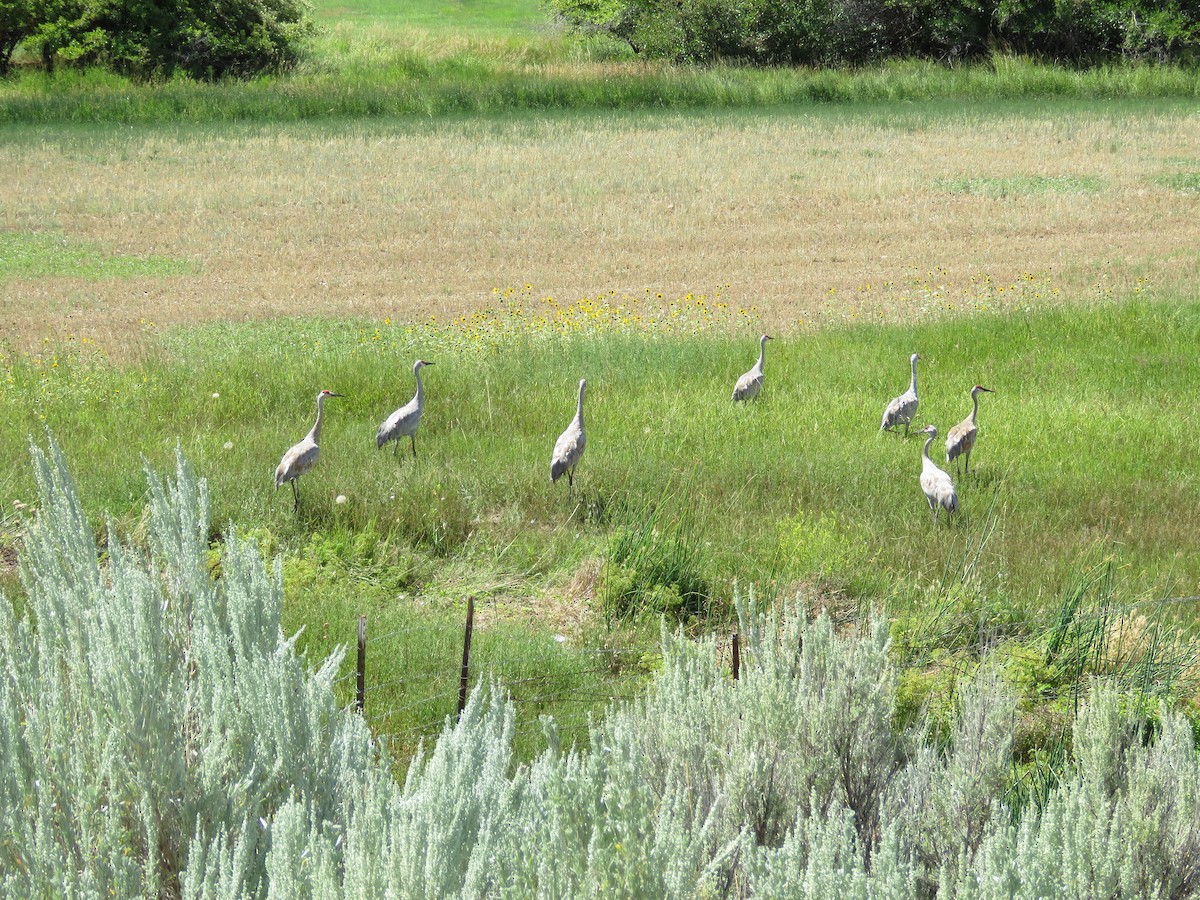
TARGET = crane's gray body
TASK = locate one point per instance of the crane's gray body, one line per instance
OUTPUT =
(902, 409)
(751, 383)
(937, 485)
(568, 449)
(302, 456)
(405, 421)
(960, 440)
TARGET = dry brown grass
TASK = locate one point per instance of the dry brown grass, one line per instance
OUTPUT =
(408, 220)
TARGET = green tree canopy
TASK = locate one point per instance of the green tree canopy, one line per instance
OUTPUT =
(158, 38)
(853, 32)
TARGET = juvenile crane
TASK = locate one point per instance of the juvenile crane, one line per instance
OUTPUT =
(902, 409)
(961, 439)
(300, 458)
(404, 421)
(938, 488)
(568, 449)
(751, 383)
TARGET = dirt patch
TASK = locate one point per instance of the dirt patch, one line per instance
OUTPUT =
(9, 559)
(569, 612)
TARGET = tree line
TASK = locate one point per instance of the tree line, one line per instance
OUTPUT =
(214, 39)
(854, 32)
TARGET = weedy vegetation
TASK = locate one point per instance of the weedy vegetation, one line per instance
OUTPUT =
(796, 777)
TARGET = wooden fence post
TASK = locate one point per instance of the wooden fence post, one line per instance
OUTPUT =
(361, 669)
(466, 657)
(737, 657)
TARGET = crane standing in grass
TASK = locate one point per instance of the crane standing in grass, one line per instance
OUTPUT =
(751, 383)
(938, 488)
(960, 441)
(300, 458)
(902, 409)
(568, 449)
(405, 420)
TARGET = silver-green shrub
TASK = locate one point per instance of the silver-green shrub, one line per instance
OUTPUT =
(148, 710)
(160, 737)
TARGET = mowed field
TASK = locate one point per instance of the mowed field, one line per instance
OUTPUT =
(814, 215)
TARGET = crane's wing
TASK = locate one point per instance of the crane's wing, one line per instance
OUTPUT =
(960, 439)
(567, 451)
(298, 460)
(938, 488)
(401, 423)
(748, 385)
(899, 411)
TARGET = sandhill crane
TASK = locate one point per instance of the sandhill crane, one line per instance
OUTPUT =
(903, 408)
(938, 488)
(751, 383)
(568, 449)
(405, 420)
(300, 458)
(960, 441)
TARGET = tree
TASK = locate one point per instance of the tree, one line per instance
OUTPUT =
(156, 38)
(18, 20)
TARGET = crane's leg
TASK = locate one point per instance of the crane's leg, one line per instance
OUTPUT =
(906, 429)
(968, 456)
(295, 496)
(414, 443)
(570, 479)
(395, 449)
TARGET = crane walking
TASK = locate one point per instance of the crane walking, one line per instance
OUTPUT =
(938, 488)
(568, 449)
(902, 409)
(300, 458)
(960, 441)
(404, 421)
(751, 383)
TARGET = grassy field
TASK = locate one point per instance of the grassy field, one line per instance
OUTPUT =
(484, 17)
(814, 215)
(1084, 458)
(175, 278)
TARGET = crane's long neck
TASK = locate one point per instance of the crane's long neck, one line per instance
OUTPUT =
(925, 449)
(974, 407)
(315, 434)
(579, 407)
(912, 385)
(420, 398)
(762, 352)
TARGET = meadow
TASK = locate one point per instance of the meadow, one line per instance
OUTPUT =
(193, 281)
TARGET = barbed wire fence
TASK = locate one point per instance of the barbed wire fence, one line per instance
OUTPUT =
(418, 703)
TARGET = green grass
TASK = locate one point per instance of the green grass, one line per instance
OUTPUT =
(478, 16)
(1182, 181)
(1024, 185)
(43, 254)
(1084, 441)
(1085, 449)
(350, 75)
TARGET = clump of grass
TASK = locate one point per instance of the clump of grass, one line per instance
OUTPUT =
(654, 565)
(1024, 185)
(1181, 181)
